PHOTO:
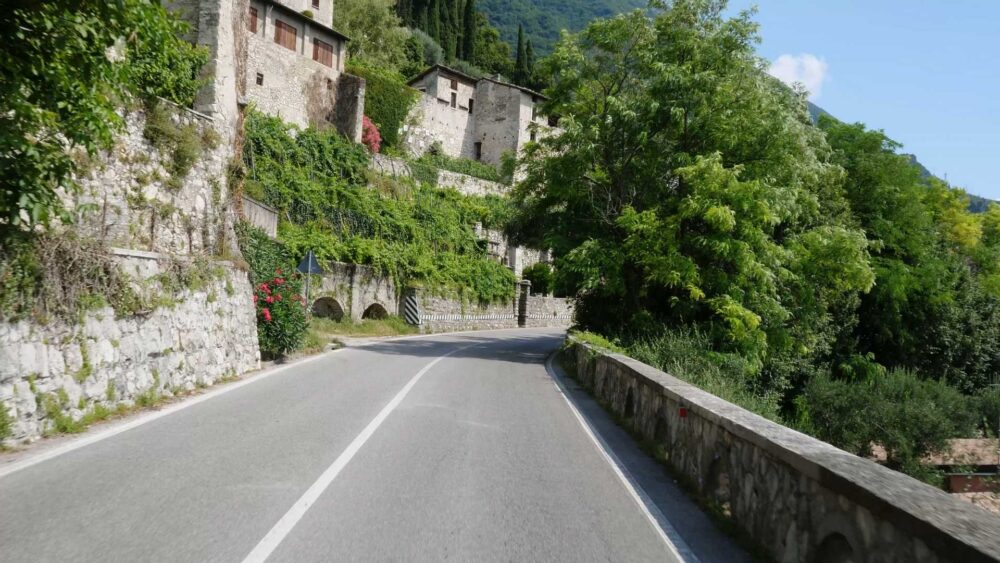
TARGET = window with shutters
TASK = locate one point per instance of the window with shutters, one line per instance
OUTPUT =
(253, 20)
(322, 52)
(285, 35)
(454, 84)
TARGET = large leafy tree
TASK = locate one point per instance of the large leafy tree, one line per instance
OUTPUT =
(68, 65)
(378, 37)
(687, 187)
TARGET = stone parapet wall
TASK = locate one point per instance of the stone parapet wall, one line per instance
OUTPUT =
(205, 335)
(551, 312)
(463, 183)
(798, 497)
(470, 185)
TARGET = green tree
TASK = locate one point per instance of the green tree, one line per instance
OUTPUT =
(59, 89)
(492, 53)
(434, 28)
(378, 37)
(521, 72)
(688, 187)
(469, 33)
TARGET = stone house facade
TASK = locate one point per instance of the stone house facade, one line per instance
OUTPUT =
(480, 119)
(278, 55)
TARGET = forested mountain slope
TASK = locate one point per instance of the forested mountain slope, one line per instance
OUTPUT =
(543, 20)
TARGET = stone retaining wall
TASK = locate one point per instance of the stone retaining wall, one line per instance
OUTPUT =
(798, 497)
(207, 334)
(543, 311)
(443, 314)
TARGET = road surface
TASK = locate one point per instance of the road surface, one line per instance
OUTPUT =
(453, 447)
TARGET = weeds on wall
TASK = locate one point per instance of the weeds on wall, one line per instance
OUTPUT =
(467, 166)
(60, 276)
(388, 100)
(183, 144)
(416, 234)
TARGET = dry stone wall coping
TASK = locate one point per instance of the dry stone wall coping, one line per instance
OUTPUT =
(802, 490)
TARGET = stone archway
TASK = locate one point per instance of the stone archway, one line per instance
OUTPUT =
(375, 311)
(328, 308)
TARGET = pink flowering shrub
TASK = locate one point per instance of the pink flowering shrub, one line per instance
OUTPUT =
(370, 136)
(281, 321)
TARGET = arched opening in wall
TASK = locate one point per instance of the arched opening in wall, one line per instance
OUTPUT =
(835, 549)
(328, 308)
(375, 312)
(630, 403)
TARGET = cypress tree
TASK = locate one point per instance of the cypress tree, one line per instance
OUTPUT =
(469, 32)
(423, 23)
(521, 61)
(434, 20)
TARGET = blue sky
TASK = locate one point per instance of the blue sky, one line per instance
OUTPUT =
(926, 72)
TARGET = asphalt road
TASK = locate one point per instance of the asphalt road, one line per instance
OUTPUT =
(454, 447)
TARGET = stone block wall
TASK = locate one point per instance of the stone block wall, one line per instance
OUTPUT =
(444, 314)
(209, 333)
(433, 120)
(544, 311)
(463, 183)
(259, 215)
(136, 201)
(470, 185)
(797, 497)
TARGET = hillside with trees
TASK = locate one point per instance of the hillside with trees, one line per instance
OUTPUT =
(544, 20)
(708, 226)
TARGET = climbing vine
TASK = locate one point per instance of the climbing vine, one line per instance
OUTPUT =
(414, 233)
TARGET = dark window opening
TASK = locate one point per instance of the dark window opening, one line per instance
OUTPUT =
(479, 151)
(534, 113)
(470, 104)
(316, 4)
(534, 136)
(454, 100)
(260, 79)
(454, 84)
(253, 20)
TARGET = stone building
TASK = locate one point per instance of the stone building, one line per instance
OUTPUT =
(480, 119)
(279, 55)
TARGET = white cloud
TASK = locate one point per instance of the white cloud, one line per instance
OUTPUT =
(807, 69)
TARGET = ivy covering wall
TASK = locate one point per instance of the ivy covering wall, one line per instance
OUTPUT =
(388, 100)
(330, 202)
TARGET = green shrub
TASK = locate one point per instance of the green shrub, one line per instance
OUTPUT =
(906, 415)
(687, 354)
(281, 320)
(989, 411)
(540, 276)
(5, 424)
(388, 100)
(467, 166)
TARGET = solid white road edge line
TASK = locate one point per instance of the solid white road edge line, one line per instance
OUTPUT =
(150, 417)
(143, 418)
(287, 522)
(673, 540)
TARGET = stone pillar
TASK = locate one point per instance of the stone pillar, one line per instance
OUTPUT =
(350, 108)
(523, 293)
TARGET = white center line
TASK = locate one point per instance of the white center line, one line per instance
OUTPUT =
(287, 522)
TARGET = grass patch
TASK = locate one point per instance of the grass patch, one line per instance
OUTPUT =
(390, 326)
